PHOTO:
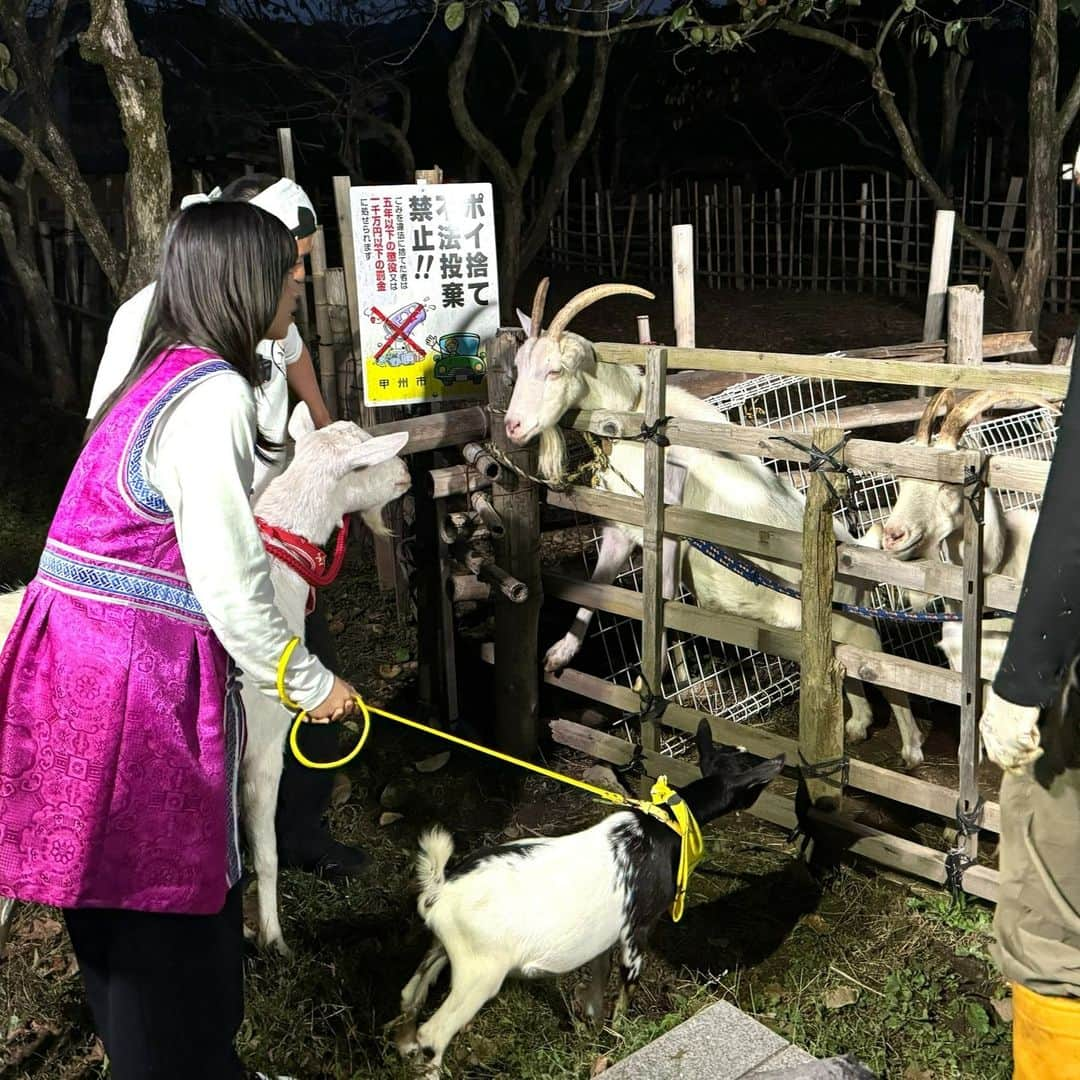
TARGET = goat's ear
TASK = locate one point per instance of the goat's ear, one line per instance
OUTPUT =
(376, 450)
(704, 740)
(526, 322)
(300, 422)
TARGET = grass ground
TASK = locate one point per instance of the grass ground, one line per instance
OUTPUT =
(891, 971)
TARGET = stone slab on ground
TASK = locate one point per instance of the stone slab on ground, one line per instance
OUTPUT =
(719, 1043)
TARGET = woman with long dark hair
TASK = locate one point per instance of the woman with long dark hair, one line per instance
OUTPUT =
(121, 728)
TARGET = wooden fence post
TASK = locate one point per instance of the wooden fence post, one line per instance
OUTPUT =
(821, 703)
(971, 698)
(386, 561)
(652, 545)
(323, 327)
(517, 502)
(682, 284)
(964, 344)
(288, 169)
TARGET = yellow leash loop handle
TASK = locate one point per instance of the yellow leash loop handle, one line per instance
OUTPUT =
(301, 717)
(680, 819)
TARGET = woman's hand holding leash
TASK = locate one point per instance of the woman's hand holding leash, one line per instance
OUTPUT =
(340, 703)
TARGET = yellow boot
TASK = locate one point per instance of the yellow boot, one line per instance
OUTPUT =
(1046, 1036)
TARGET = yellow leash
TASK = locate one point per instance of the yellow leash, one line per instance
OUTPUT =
(666, 806)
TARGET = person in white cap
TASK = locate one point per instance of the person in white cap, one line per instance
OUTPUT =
(304, 842)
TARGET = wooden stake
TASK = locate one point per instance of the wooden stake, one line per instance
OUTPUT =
(517, 552)
(815, 249)
(861, 266)
(652, 626)
(682, 283)
(821, 703)
(327, 360)
(972, 607)
(940, 260)
(905, 237)
(740, 281)
(288, 169)
(628, 237)
(965, 340)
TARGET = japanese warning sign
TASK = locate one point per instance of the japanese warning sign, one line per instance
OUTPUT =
(428, 288)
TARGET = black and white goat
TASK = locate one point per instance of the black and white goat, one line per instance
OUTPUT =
(547, 906)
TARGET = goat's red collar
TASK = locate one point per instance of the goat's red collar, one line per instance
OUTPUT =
(305, 558)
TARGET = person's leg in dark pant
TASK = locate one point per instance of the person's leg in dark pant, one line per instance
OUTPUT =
(166, 991)
(304, 842)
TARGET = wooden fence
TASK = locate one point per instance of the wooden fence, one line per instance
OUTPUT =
(836, 229)
(824, 662)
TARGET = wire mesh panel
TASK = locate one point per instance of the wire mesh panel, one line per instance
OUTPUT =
(709, 676)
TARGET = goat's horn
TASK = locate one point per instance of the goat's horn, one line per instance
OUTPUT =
(962, 414)
(579, 303)
(924, 432)
(539, 300)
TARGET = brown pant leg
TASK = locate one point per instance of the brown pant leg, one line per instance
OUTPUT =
(1037, 923)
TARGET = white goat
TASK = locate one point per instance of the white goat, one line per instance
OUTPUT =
(337, 470)
(547, 906)
(558, 371)
(928, 519)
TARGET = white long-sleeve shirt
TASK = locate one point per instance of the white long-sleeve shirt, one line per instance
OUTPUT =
(271, 398)
(200, 456)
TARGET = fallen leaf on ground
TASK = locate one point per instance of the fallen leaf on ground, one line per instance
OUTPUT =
(817, 924)
(433, 763)
(390, 817)
(1004, 1008)
(839, 997)
(389, 671)
(601, 1064)
(341, 791)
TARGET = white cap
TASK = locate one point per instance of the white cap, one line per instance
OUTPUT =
(285, 199)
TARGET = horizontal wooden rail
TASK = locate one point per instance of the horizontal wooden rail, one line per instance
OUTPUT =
(870, 843)
(863, 455)
(858, 565)
(875, 779)
(451, 428)
(1044, 378)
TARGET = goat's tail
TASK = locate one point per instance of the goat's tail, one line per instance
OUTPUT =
(436, 847)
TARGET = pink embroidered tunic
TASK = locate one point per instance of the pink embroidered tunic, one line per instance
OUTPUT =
(121, 727)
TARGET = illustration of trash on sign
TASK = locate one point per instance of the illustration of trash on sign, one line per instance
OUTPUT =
(398, 348)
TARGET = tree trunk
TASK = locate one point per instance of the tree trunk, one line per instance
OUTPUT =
(39, 306)
(1044, 157)
(135, 83)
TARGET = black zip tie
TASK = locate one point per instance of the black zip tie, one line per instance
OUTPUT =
(636, 759)
(654, 432)
(652, 708)
(957, 863)
(825, 770)
(968, 822)
(824, 461)
(974, 488)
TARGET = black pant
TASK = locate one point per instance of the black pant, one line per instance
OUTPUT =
(166, 991)
(305, 793)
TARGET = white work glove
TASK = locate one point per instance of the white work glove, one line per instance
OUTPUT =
(1010, 733)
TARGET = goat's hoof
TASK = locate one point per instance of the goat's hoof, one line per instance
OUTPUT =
(405, 1040)
(277, 945)
(912, 758)
(560, 654)
(586, 1007)
(857, 731)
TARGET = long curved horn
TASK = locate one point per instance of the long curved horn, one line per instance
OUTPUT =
(925, 431)
(579, 303)
(539, 300)
(961, 414)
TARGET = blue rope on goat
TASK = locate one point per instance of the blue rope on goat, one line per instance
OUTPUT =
(754, 573)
